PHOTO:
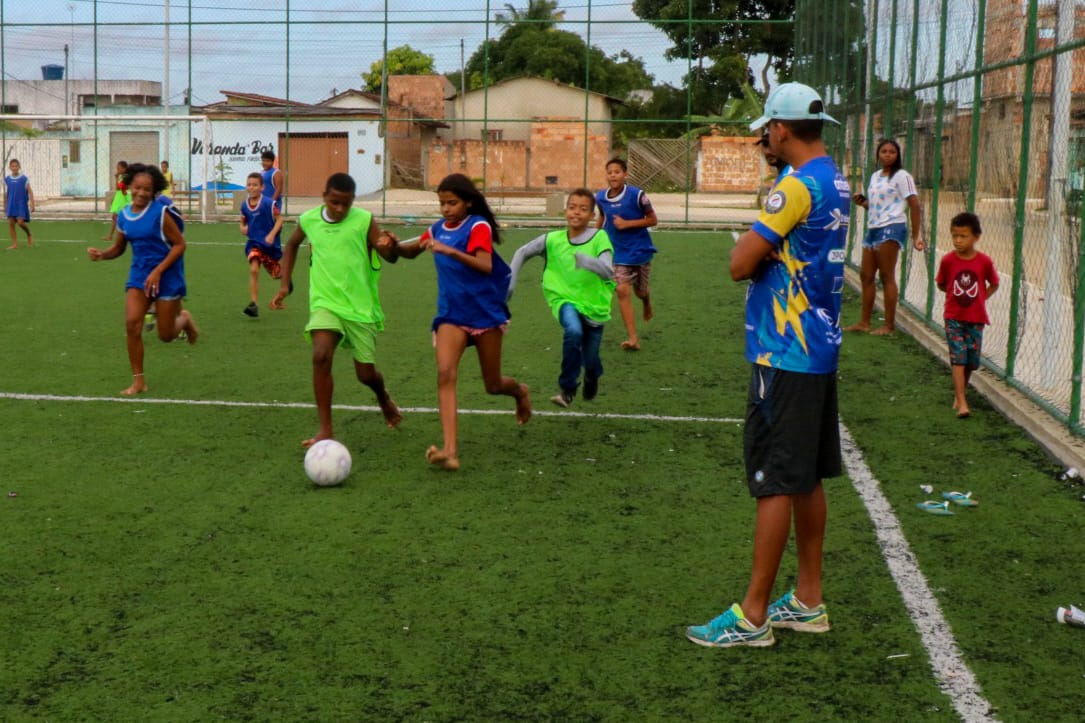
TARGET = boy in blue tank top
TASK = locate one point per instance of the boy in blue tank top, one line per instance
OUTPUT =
(626, 214)
(260, 223)
(18, 203)
(273, 178)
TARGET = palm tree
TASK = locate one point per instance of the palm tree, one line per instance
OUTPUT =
(543, 14)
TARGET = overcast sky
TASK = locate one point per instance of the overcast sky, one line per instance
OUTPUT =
(241, 44)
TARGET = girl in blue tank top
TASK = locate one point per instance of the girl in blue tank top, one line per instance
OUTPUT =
(157, 273)
(472, 284)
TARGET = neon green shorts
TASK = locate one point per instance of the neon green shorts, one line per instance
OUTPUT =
(358, 336)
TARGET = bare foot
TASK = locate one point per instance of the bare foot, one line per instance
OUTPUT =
(963, 413)
(648, 312)
(189, 325)
(29, 240)
(442, 459)
(392, 415)
(631, 345)
(13, 247)
(138, 387)
(857, 327)
(523, 405)
(313, 440)
(882, 331)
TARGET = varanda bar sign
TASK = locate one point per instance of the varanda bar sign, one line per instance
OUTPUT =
(238, 151)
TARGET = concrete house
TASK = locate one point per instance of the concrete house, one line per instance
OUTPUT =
(526, 133)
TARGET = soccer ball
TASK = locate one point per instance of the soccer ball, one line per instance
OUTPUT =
(327, 463)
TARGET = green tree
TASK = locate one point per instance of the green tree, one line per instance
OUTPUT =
(720, 39)
(530, 44)
(403, 60)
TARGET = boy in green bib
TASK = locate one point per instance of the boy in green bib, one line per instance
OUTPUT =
(346, 248)
(578, 283)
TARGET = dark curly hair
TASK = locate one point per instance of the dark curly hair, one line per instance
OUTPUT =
(158, 181)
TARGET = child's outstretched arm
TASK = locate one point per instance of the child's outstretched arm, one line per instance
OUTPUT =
(384, 242)
(601, 265)
(290, 255)
(112, 252)
(534, 247)
(412, 247)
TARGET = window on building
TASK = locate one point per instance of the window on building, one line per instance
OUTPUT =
(9, 109)
(493, 134)
(73, 151)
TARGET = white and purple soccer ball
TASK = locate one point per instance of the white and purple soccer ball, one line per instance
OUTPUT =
(327, 463)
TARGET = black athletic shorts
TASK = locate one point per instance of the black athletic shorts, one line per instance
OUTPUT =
(792, 436)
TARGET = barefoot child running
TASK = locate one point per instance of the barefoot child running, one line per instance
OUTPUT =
(472, 284)
(18, 203)
(626, 214)
(260, 223)
(344, 306)
(578, 284)
(968, 278)
(157, 273)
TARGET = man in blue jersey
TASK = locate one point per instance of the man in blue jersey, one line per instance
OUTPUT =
(794, 259)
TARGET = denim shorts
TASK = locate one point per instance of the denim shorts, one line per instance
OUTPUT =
(875, 237)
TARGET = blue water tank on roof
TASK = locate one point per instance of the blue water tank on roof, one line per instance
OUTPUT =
(52, 72)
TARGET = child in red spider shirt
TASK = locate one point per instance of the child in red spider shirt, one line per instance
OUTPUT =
(968, 278)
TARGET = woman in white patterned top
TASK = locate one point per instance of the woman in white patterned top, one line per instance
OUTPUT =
(890, 193)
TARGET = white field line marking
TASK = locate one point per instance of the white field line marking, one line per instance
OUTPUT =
(355, 407)
(953, 675)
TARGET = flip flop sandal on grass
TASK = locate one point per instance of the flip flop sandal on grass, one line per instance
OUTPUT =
(934, 507)
(963, 499)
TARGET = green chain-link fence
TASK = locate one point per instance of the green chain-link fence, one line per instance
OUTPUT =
(987, 100)
(209, 84)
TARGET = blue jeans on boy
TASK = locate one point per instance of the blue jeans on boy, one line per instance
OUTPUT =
(580, 348)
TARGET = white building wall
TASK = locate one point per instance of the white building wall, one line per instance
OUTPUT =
(237, 145)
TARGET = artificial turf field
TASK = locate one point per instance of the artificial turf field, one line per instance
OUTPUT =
(166, 559)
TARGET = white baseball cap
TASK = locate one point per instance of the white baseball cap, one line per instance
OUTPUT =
(793, 101)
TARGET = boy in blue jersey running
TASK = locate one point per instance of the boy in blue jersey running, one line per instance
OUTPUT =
(260, 224)
(578, 285)
(794, 259)
(626, 214)
(346, 247)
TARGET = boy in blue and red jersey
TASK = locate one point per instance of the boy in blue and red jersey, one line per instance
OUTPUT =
(626, 214)
(261, 224)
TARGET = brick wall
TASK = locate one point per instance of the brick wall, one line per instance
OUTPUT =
(555, 151)
(729, 164)
(557, 156)
(506, 162)
(424, 93)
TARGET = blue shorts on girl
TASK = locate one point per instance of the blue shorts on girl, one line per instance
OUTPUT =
(875, 237)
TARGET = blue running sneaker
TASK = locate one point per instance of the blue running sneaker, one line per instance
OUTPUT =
(788, 612)
(731, 629)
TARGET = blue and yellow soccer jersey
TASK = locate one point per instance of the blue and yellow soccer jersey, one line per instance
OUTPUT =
(793, 304)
